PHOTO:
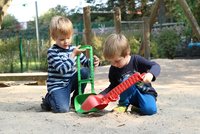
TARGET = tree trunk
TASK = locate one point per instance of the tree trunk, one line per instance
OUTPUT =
(117, 19)
(87, 25)
(4, 4)
(154, 12)
(146, 38)
(190, 17)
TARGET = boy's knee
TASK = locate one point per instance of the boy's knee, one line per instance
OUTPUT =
(148, 110)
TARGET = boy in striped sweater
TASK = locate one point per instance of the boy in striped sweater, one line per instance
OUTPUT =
(62, 71)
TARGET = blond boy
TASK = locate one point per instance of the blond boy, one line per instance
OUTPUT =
(116, 50)
(62, 74)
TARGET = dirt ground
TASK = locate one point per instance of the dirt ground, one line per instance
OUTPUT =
(178, 103)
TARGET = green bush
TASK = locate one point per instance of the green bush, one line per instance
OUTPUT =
(97, 42)
(154, 49)
(134, 44)
(134, 41)
(167, 41)
(9, 54)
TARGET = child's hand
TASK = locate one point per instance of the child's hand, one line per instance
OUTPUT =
(96, 61)
(147, 78)
(77, 51)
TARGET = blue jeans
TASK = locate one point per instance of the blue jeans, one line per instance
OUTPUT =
(145, 102)
(59, 100)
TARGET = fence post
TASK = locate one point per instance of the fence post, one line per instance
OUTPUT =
(37, 31)
(146, 38)
(20, 53)
(117, 19)
(79, 34)
(87, 25)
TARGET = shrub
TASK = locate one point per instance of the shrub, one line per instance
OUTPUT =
(167, 41)
(134, 44)
(9, 54)
(154, 49)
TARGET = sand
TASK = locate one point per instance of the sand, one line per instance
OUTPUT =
(178, 104)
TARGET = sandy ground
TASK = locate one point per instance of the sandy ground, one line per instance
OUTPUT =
(178, 107)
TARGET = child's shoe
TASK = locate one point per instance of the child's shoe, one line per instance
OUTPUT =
(120, 109)
(45, 106)
(135, 109)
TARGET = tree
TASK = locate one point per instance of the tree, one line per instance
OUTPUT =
(130, 9)
(4, 4)
(191, 18)
(45, 19)
(58, 10)
(9, 22)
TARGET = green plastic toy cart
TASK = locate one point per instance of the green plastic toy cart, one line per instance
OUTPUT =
(79, 99)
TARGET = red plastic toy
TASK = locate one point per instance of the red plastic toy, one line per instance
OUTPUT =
(100, 102)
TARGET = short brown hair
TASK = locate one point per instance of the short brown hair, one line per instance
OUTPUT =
(116, 45)
(60, 26)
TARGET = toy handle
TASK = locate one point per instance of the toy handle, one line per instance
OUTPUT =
(91, 66)
(115, 92)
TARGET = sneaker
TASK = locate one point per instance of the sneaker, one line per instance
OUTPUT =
(135, 109)
(72, 106)
(45, 106)
(120, 109)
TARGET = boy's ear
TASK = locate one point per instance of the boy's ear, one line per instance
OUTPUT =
(128, 53)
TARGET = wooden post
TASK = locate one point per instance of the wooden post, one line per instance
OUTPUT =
(154, 11)
(190, 17)
(117, 19)
(146, 38)
(87, 25)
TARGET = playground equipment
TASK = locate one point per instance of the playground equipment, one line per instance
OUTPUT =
(100, 102)
(79, 99)
(194, 44)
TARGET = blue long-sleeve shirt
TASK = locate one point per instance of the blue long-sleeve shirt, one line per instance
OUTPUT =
(136, 64)
(61, 67)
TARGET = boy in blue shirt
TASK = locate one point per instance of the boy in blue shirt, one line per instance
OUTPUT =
(141, 95)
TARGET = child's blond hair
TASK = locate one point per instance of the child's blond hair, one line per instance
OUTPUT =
(116, 45)
(60, 26)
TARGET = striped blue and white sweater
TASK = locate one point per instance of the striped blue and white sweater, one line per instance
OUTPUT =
(61, 67)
